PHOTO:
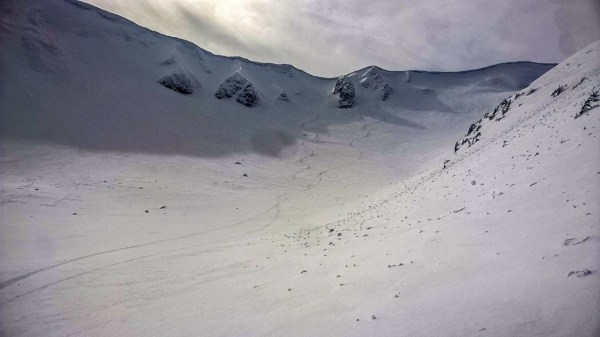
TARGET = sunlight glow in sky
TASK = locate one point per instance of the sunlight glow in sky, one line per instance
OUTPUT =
(334, 37)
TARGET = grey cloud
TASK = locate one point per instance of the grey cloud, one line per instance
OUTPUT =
(334, 37)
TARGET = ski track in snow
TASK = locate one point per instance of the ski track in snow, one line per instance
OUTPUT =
(280, 199)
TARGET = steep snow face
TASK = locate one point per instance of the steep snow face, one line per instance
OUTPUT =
(124, 200)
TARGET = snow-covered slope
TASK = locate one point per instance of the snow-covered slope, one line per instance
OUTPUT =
(150, 187)
(68, 61)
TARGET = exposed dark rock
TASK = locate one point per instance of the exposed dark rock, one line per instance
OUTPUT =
(574, 241)
(345, 89)
(386, 91)
(283, 97)
(473, 134)
(502, 108)
(589, 103)
(178, 82)
(580, 273)
(583, 79)
(559, 90)
(237, 85)
(248, 96)
(373, 79)
(231, 86)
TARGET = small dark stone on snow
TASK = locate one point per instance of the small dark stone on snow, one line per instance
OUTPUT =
(147, 211)
(163, 207)
(373, 317)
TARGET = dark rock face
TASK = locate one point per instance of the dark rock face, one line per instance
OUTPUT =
(237, 85)
(345, 89)
(502, 109)
(178, 82)
(590, 103)
(474, 132)
(248, 96)
(231, 86)
(386, 91)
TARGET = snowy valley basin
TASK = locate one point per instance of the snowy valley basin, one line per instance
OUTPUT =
(152, 188)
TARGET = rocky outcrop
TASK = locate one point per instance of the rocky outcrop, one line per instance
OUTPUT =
(590, 103)
(178, 82)
(238, 86)
(248, 96)
(386, 91)
(474, 132)
(372, 79)
(345, 89)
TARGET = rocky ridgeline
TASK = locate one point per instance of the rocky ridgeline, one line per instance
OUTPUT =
(238, 86)
(474, 133)
(372, 79)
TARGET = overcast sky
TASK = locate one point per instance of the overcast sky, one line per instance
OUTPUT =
(333, 37)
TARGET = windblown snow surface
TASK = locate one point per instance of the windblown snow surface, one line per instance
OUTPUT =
(151, 188)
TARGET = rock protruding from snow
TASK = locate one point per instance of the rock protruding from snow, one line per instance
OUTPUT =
(178, 82)
(231, 86)
(373, 79)
(498, 114)
(283, 97)
(386, 91)
(239, 86)
(345, 89)
(590, 103)
(168, 62)
(248, 96)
